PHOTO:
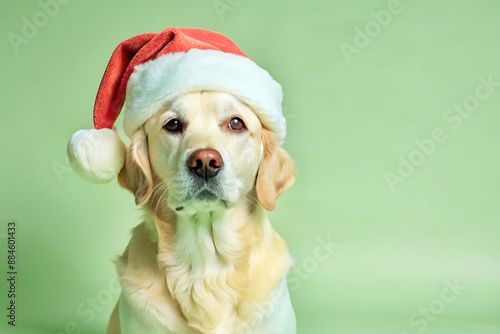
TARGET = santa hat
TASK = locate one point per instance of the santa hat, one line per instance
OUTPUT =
(149, 70)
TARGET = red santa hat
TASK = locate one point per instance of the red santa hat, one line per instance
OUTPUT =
(147, 71)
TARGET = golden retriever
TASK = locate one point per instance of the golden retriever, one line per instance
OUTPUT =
(206, 258)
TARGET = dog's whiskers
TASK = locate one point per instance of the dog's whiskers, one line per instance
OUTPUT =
(160, 187)
(253, 198)
(251, 201)
(247, 196)
(161, 184)
(159, 200)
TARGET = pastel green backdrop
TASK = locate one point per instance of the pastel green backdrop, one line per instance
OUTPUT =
(394, 220)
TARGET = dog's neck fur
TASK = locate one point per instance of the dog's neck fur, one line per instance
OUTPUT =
(218, 266)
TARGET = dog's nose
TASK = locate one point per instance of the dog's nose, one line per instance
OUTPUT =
(205, 163)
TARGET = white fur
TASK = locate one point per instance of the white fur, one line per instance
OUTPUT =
(276, 316)
(138, 312)
(204, 249)
(96, 155)
(160, 80)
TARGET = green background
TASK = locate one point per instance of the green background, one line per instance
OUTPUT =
(350, 121)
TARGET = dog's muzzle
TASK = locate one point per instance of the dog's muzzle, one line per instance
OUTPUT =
(205, 186)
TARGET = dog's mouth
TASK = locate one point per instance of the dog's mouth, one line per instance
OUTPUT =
(206, 195)
(201, 198)
(189, 194)
(204, 191)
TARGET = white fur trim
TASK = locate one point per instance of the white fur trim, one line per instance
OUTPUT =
(96, 155)
(162, 79)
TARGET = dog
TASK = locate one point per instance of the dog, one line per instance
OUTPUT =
(205, 259)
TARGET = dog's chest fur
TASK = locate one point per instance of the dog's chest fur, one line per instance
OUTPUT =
(203, 275)
(199, 266)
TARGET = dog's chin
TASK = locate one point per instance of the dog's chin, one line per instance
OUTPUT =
(203, 201)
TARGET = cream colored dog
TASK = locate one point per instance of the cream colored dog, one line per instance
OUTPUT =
(205, 259)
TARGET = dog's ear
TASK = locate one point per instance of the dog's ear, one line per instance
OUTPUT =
(136, 173)
(276, 172)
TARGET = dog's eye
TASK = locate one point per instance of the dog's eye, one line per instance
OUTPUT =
(174, 125)
(237, 124)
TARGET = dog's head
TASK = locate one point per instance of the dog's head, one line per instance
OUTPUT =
(203, 152)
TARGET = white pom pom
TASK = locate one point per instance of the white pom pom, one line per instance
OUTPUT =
(96, 155)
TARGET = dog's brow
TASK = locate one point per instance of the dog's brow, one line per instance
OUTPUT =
(232, 105)
(173, 109)
(175, 106)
